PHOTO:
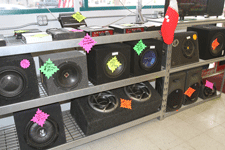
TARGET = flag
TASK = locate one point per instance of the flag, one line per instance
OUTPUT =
(170, 22)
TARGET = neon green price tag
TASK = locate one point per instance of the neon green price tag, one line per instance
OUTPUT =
(78, 16)
(40, 35)
(139, 47)
(48, 68)
(127, 25)
(113, 64)
(21, 31)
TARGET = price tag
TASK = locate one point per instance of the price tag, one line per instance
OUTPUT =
(87, 43)
(152, 47)
(189, 92)
(209, 84)
(113, 64)
(48, 68)
(139, 47)
(78, 17)
(25, 63)
(125, 103)
(115, 53)
(40, 117)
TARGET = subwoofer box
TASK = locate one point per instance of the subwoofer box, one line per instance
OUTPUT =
(149, 60)
(100, 55)
(193, 80)
(206, 92)
(92, 121)
(72, 73)
(207, 35)
(23, 124)
(17, 84)
(184, 49)
(176, 90)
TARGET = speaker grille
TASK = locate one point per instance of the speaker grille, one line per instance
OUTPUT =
(148, 59)
(12, 83)
(139, 92)
(194, 96)
(41, 137)
(217, 44)
(103, 102)
(209, 92)
(188, 49)
(68, 76)
(119, 70)
(174, 100)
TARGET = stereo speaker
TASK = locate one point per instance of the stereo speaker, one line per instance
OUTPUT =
(176, 90)
(108, 63)
(102, 111)
(215, 7)
(149, 60)
(211, 41)
(17, 84)
(32, 136)
(72, 73)
(184, 49)
(193, 80)
(206, 92)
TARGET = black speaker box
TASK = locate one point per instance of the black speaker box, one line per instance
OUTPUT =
(108, 113)
(193, 80)
(176, 90)
(206, 92)
(32, 136)
(211, 41)
(17, 84)
(184, 49)
(72, 73)
(100, 55)
(149, 60)
(215, 7)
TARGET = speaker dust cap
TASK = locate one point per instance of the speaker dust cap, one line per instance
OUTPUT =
(104, 102)
(138, 92)
(188, 48)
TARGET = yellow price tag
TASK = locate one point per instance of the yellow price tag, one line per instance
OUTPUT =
(78, 16)
(113, 64)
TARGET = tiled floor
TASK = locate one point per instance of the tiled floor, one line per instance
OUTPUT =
(198, 128)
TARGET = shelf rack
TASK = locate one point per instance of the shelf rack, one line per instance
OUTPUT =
(74, 135)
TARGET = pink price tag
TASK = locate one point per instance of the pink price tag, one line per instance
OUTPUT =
(25, 63)
(76, 30)
(40, 117)
(209, 84)
(87, 43)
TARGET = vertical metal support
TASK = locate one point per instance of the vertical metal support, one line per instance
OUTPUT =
(215, 67)
(222, 84)
(76, 5)
(139, 17)
(168, 52)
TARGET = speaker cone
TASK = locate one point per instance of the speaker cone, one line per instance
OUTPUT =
(148, 59)
(209, 92)
(174, 100)
(188, 48)
(41, 137)
(139, 92)
(12, 82)
(119, 70)
(194, 96)
(103, 102)
(68, 76)
(217, 44)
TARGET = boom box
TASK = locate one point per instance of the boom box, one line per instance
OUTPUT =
(72, 73)
(206, 92)
(193, 80)
(108, 63)
(33, 136)
(16, 83)
(211, 41)
(185, 49)
(104, 110)
(149, 60)
(176, 90)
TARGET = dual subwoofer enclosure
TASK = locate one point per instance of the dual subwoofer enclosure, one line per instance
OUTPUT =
(32, 136)
(211, 41)
(149, 60)
(99, 114)
(17, 84)
(184, 49)
(72, 73)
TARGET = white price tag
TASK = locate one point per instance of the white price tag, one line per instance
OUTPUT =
(222, 52)
(188, 37)
(152, 47)
(115, 53)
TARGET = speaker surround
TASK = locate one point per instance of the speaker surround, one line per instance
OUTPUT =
(193, 80)
(149, 60)
(17, 84)
(98, 70)
(93, 121)
(176, 90)
(72, 73)
(211, 41)
(32, 136)
(206, 92)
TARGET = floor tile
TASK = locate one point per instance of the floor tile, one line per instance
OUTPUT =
(82, 147)
(186, 114)
(184, 146)
(217, 133)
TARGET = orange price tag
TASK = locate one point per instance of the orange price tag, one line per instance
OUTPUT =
(189, 91)
(125, 103)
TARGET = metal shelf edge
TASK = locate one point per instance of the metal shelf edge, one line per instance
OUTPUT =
(106, 132)
(77, 93)
(214, 74)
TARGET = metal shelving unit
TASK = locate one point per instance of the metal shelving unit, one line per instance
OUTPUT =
(74, 135)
